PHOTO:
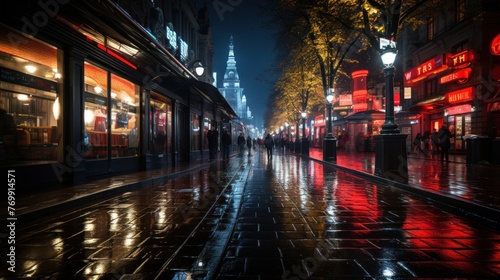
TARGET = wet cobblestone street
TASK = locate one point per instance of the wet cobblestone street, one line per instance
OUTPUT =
(250, 218)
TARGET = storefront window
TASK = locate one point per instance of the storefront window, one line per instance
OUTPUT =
(195, 132)
(124, 117)
(160, 124)
(206, 127)
(120, 105)
(30, 84)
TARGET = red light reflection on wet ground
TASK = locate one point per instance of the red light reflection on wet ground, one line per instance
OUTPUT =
(476, 183)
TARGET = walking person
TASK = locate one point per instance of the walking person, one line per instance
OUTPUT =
(241, 143)
(435, 142)
(444, 136)
(426, 139)
(226, 143)
(417, 142)
(213, 139)
(269, 144)
(249, 144)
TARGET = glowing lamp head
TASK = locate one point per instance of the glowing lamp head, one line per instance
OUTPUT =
(198, 68)
(388, 57)
(329, 95)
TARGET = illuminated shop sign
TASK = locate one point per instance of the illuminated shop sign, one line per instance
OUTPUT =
(457, 110)
(461, 59)
(425, 69)
(345, 99)
(459, 76)
(458, 96)
(342, 108)
(319, 121)
(359, 94)
(172, 37)
(407, 93)
(184, 49)
(116, 55)
(397, 96)
(495, 45)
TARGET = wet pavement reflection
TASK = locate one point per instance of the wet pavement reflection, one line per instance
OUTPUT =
(253, 218)
(474, 183)
(311, 221)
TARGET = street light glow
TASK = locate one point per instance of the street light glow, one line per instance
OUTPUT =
(329, 96)
(388, 57)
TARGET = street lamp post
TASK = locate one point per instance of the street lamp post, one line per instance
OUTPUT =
(329, 142)
(282, 141)
(288, 140)
(390, 145)
(305, 140)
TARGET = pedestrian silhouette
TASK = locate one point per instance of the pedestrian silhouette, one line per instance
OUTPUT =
(444, 136)
(269, 144)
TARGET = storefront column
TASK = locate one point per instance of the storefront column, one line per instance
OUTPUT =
(145, 150)
(73, 157)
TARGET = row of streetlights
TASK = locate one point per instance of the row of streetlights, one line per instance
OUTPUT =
(390, 145)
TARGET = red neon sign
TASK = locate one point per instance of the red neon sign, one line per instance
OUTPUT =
(425, 69)
(460, 95)
(460, 76)
(117, 56)
(319, 120)
(461, 59)
(495, 45)
(359, 94)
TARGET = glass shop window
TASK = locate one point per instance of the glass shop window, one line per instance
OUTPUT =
(160, 138)
(30, 110)
(195, 132)
(111, 115)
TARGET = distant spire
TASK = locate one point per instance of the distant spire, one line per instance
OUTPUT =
(231, 62)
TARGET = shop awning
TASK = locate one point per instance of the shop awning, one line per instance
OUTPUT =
(435, 103)
(406, 117)
(339, 122)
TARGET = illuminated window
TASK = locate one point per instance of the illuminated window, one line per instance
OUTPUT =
(30, 106)
(160, 141)
(111, 115)
(195, 132)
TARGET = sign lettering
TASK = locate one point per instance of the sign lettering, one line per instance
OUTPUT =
(431, 66)
(460, 95)
(461, 59)
(460, 76)
(495, 45)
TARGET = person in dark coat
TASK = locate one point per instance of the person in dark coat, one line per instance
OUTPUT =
(226, 143)
(241, 143)
(213, 138)
(249, 144)
(435, 142)
(417, 142)
(269, 144)
(444, 136)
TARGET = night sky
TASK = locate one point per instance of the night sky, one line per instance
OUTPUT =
(254, 48)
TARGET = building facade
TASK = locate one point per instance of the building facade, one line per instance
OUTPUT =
(93, 88)
(451, 67)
